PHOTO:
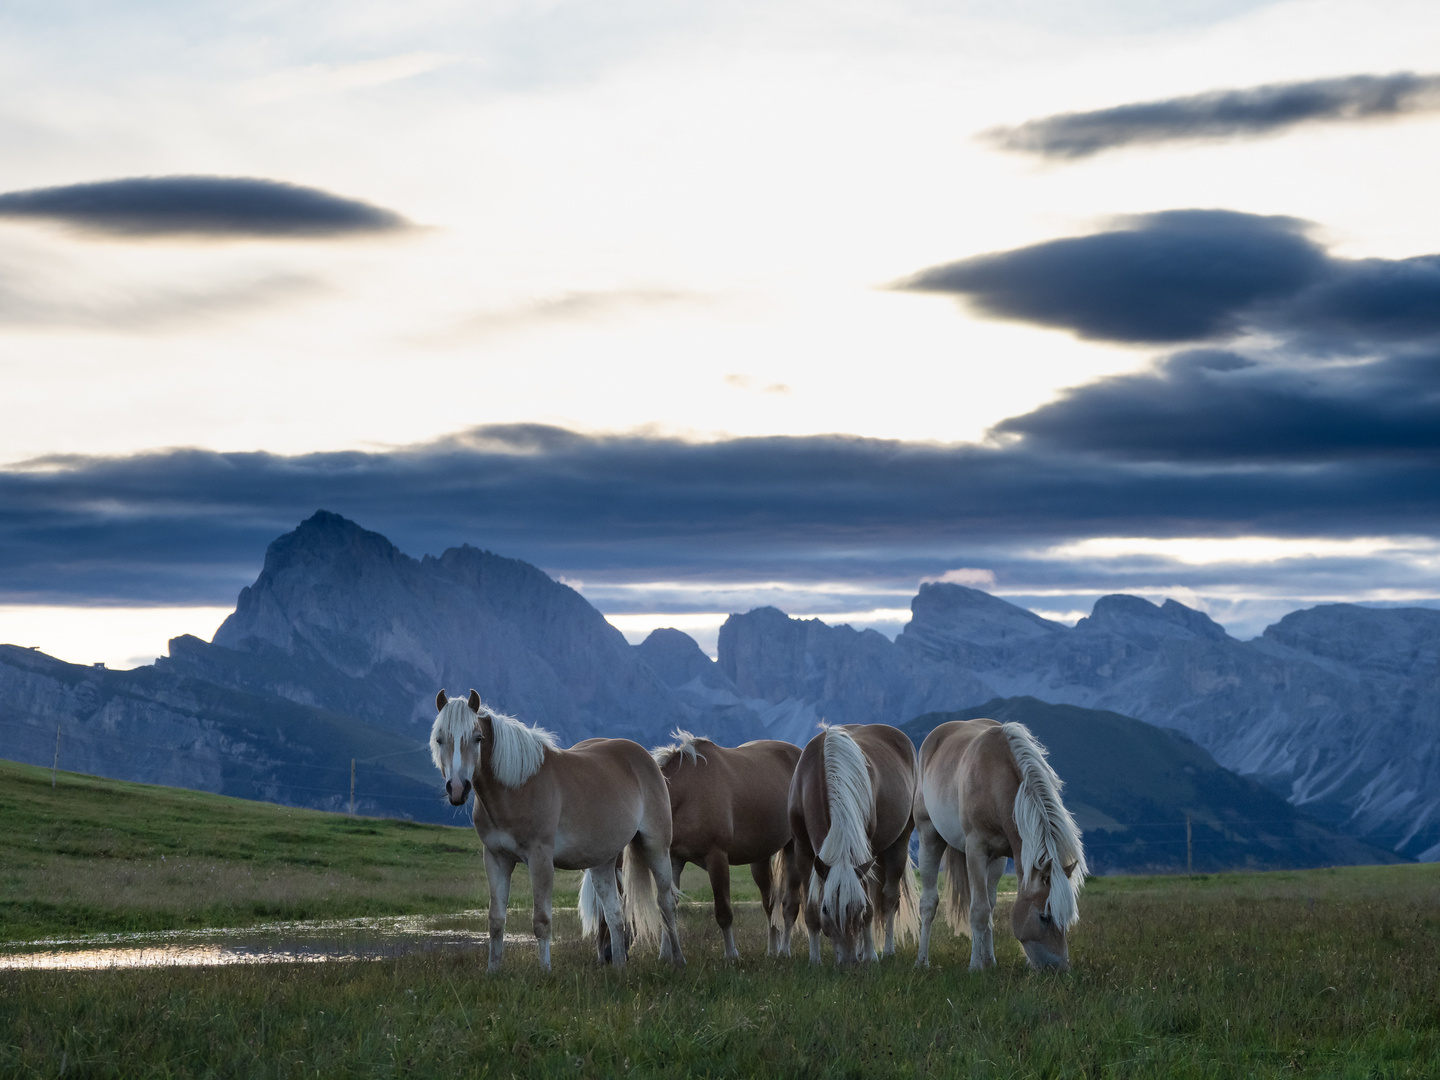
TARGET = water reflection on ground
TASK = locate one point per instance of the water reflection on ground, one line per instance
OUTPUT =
(268, 943)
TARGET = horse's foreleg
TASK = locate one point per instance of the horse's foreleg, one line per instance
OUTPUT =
(498, 869)
(932, 852)
(542, 884)
(718, 867)
(982, 909)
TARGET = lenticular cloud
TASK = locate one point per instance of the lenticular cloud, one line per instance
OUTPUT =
(213, 206)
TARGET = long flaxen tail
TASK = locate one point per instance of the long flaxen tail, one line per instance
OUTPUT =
(907, 917)
(642, 910)
(1049, 837)
(592, 914)
(957, 879)
(777, 891)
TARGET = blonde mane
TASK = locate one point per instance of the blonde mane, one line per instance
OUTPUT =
(1049, 836)
(518, 750)
(851, 801)
(685, 745)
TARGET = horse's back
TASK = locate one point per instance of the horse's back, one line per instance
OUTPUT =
(731, 798)
(891, 755)
(609, 790)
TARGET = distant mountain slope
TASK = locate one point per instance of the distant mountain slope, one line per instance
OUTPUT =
(342, 619)
(156, 727)
(1131, 786)
(1337, 708)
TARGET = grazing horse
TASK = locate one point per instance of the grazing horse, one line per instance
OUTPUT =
(577, 809)
(850, 804)
(986, 792)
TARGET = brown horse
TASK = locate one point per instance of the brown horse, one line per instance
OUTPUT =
(729, 808)
(850, 804)
(986, 793)
(577, 809)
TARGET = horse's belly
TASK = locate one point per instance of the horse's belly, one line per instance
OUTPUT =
(945, 816)
(591, 847)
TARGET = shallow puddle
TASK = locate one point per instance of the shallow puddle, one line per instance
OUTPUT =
(269, 943)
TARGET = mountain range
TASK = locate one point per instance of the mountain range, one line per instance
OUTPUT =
(337, 649)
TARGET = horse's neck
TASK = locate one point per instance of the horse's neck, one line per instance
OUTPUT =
(498, 796)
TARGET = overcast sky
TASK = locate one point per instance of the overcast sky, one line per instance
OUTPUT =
(705, 306)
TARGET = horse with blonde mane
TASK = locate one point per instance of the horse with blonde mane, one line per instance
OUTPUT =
(986, 793)
(850, 804)
(575, 809)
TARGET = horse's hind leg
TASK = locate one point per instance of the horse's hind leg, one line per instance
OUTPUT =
(767, 875)
(498, 869)
(932, 852)
(810, 884)
(894, 861)
(718, 867)
(656, 856)
(607, 891)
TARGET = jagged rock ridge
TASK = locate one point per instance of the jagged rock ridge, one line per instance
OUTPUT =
(1335, 707)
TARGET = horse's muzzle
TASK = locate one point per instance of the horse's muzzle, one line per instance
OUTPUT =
(1043, 959)
(457, 791)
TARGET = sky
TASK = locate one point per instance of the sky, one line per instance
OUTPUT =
(701, 307)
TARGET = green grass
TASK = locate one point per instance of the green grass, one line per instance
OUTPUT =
(1328, 973)
(94, 855)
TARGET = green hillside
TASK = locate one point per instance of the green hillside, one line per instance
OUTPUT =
(93, 855)
(1131, 787)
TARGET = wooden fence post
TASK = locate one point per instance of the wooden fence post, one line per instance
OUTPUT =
(352, 787)
(55, 769)
(1189, 848)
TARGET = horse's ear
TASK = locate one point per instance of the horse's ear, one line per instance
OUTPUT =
(474, 702)
(440, 700)
(1071, 869)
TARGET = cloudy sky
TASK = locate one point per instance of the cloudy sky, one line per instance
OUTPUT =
(705, 306)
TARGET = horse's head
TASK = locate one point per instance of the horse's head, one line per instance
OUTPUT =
(455, 743)
(1044, 909)
(844, 908)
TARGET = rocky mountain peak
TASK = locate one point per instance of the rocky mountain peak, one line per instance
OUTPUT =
(678, 659)
(945, 617)
(1133, 616)
(1389, 640)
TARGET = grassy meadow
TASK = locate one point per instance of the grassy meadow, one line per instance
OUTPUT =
(1306, 973)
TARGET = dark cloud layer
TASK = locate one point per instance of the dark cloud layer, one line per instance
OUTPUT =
(1202, 275)
(1329, 360)
(1260, 110)
(1181, 275)
(1222, 407)
(191, 526)
(216, 206)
